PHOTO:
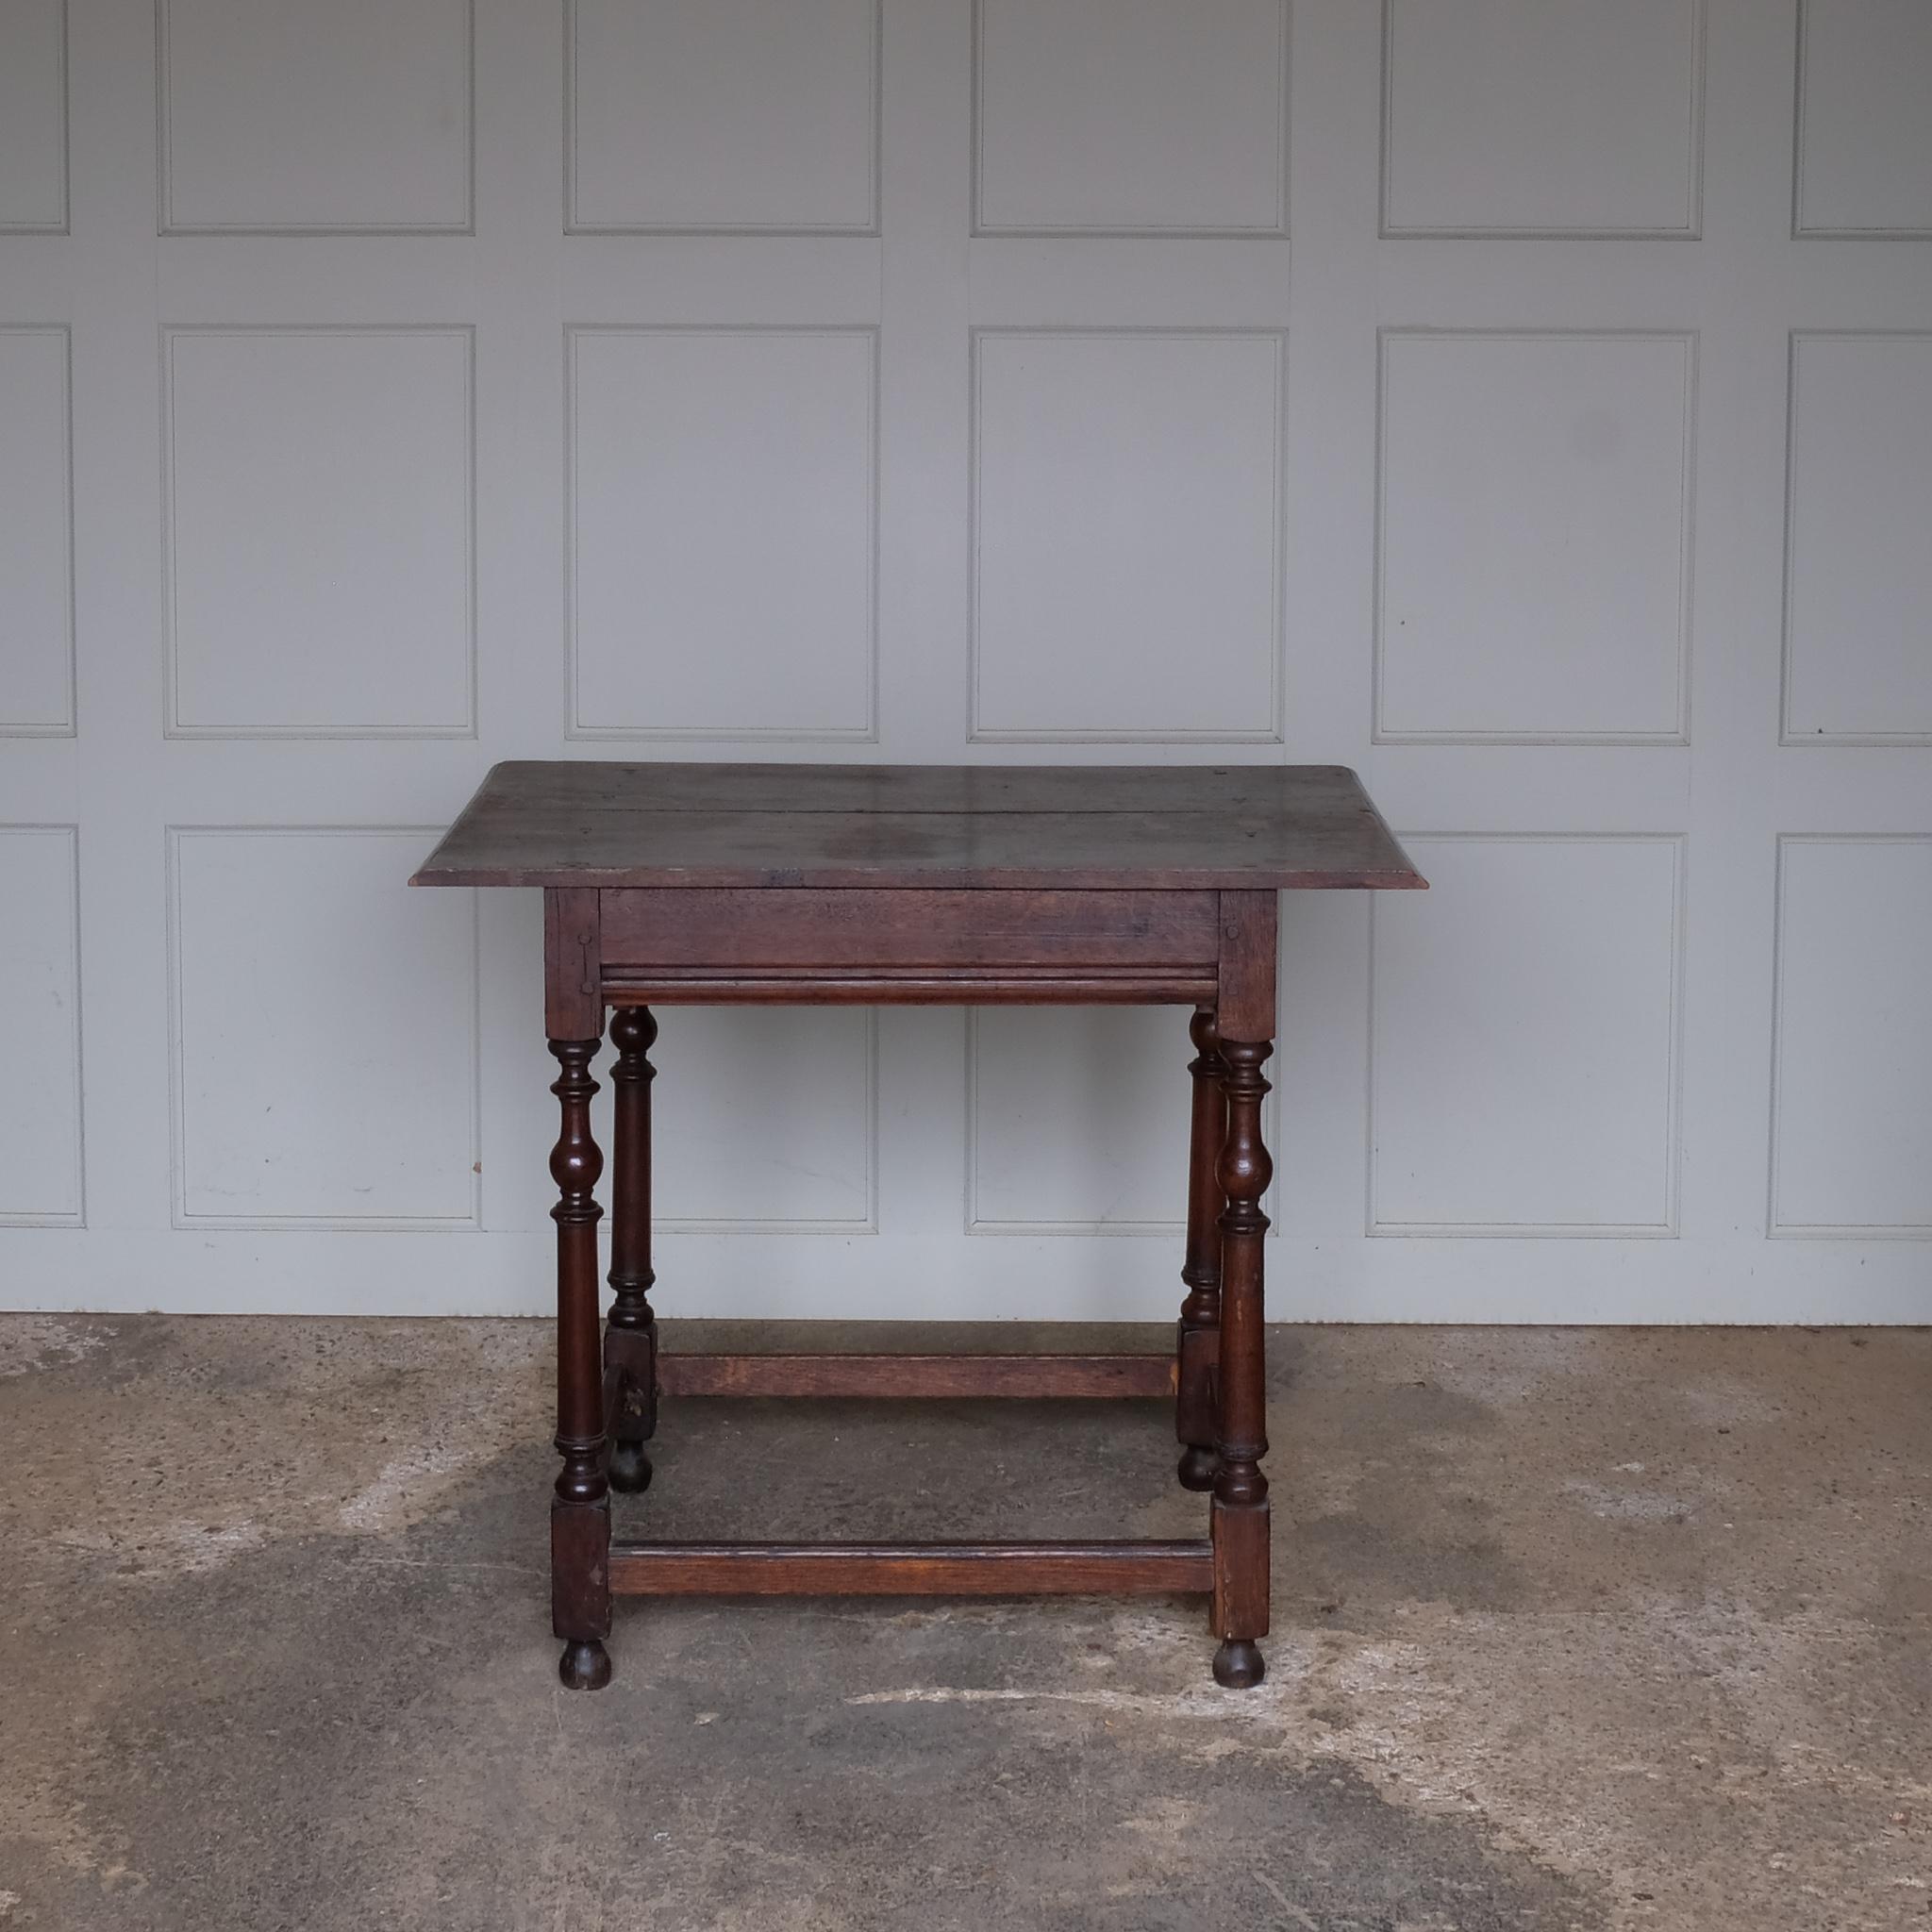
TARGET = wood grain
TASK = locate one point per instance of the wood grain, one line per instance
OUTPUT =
(881, 930)
(571, 966)
(699, 1569)
(590, 823)
(917, 1375)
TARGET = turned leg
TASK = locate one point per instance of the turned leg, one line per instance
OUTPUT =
(631, 1335)
(1198, 1344)
(580, 1512)
(1240, 1491)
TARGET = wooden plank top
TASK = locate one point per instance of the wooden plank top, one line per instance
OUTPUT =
(586, 823)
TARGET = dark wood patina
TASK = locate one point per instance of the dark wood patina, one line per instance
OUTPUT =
(815, 884)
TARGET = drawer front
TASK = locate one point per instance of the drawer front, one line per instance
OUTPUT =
(846, 931)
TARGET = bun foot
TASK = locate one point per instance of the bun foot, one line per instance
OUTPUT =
(1197, 1467)
(1238, 1664)
(630, 1467)
(586, 1666)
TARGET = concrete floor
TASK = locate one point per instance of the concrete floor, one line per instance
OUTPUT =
(1572, 1630)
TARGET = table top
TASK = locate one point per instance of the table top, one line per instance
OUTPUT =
(581, 823)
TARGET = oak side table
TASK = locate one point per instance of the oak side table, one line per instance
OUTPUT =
(810, 884)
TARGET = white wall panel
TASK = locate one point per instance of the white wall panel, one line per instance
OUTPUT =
(721, 533)
(1852, 1140)
(1131, 116)
(1542, 117)
(1078, 1120)
(1127, 536)
(1864, 150)
(40, 1027)
(33, 115)
(732, 115)
(1535, 569)
(318, 525)
(851, 380)
(36, 536)
(764, 1122)
(1859, 566)
(1523, 1071)
(325, 1059)
(279, 115)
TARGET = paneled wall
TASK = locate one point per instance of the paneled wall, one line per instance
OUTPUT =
(1527, 401)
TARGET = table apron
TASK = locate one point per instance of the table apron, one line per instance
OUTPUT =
(780, 931)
